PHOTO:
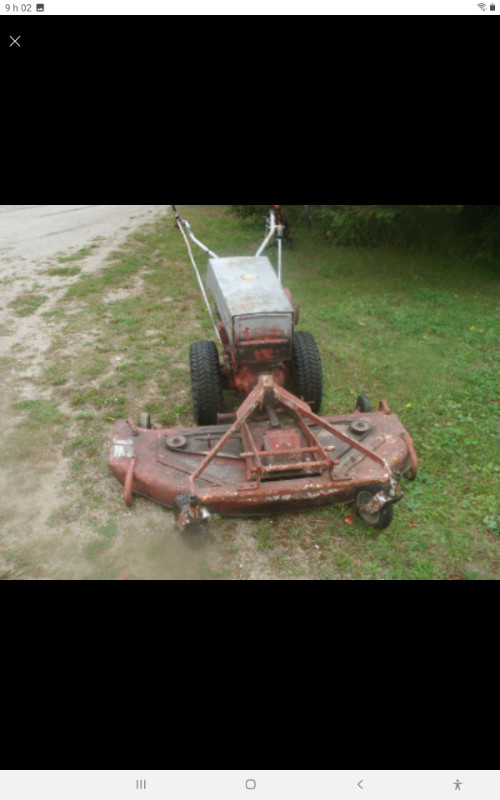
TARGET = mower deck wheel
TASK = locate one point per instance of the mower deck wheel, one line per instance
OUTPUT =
(363, 404)
(194, 534)
(145, 421)
(381, 519)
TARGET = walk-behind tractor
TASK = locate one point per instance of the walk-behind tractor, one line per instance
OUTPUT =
(275, 453)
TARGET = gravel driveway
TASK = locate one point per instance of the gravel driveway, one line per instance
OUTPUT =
(32, 240)
(29, 233)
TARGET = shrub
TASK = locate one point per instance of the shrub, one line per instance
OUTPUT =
(371, 224)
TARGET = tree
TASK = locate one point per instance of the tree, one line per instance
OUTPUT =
(393, 224)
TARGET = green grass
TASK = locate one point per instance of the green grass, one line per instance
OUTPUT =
(41, 414)
(105, 535)
(56, 374)
(420, 330)
(27, 304)
(64, 272)
(79, 255)
(34, 443)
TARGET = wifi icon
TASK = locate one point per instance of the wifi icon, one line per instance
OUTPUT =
(482, 6)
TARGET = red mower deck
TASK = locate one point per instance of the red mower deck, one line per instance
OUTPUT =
(276, 456)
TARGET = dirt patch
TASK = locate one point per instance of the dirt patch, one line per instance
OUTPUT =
(47, 530)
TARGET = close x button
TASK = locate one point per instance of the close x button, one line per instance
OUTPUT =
(14, 41)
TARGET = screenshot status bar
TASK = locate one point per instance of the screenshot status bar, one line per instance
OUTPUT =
(15, 9)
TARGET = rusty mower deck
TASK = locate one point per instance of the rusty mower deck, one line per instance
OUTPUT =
(274, 455)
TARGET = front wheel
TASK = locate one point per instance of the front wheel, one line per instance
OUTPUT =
(379, 520)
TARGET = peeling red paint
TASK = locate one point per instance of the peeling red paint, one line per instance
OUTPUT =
(251, 468)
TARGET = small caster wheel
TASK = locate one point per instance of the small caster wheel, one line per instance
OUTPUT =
(363, 404)
(192, 521)
(381, 519)
(145, 421)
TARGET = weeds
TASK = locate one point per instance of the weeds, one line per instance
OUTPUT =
(64, 272)
(27, 304)
(84, 252)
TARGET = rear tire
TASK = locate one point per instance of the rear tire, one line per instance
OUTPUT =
(307, 370)
(206, 382)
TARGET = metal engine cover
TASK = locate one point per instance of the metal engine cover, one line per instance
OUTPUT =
(254, 308)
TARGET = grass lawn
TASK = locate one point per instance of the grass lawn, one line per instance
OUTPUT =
(420, 330)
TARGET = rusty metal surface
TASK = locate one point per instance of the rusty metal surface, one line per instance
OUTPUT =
(270, 345)
(242, 379)
(129, 481)
(251, 467)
